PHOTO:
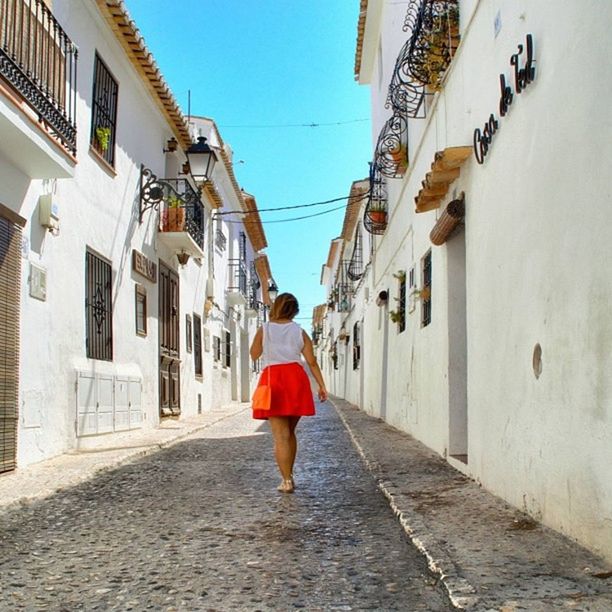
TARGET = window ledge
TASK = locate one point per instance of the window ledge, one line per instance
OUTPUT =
(105, 165)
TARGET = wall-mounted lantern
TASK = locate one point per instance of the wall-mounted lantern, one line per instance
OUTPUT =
(202, 160)
(272, 290)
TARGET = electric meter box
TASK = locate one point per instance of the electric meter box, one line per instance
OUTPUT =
(48, 212)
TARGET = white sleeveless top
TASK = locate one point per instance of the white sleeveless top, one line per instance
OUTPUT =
(282, 343)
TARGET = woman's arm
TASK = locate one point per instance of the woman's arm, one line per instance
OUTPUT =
(257, 345)
(311, 360)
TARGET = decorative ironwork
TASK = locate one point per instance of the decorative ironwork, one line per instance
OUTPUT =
(375, 215)
(220, 239)
(176, 195)
(254, 286)
(355, 267)
(391, 154)
(104, 112)
(344, 287)
(98, 308)
(40, 61)
(422, 61)
(237, 277)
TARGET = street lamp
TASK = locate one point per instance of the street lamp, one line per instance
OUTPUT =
(272, 290)
(202, 160)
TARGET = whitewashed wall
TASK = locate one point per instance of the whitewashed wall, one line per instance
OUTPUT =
(536, 216)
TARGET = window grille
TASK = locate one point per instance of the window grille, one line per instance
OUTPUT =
(104, 112)
(227, 352)
(426, 291)
(197, 345)
(356, 346)
(141, 310)
(355, 267)
(98, 308)
(188, 333)
(216, 348)
(402, 304)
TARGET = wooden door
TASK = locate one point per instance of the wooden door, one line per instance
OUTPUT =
(169, 346)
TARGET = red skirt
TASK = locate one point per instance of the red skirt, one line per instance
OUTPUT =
(291, 391)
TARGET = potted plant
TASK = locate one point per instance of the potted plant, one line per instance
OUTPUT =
(377, 212)
(395, 316)
(442, 42)
(103, 137)
(176, 214)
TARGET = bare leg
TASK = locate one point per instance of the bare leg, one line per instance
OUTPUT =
(293, 421)
(284, 449)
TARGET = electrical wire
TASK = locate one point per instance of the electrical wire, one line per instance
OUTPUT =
(294, 125)
(325, 212)
(243, 212)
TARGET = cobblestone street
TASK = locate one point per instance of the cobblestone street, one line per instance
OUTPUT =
(200, 526)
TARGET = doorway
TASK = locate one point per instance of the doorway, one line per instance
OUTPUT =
(169, 343)
(457, 357)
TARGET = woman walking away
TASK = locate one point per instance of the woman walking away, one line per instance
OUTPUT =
(282, 343)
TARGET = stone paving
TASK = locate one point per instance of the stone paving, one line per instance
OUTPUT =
(200, 526)
(488, 555)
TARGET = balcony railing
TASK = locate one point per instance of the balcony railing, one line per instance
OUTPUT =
(237, 282)
(183, 210)
(220, 239)
(40, 61)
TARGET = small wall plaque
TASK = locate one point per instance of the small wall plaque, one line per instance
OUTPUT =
(144, 266)
(38, 282)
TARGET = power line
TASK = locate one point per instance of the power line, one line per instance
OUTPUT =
(294, 125)
(286, 220)
(242, 212)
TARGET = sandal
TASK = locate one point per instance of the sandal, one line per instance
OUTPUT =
(286, 486)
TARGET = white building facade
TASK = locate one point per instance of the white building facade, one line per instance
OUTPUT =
(485, 323)
(118, 309)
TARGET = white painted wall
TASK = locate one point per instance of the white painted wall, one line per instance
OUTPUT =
(99, 210)
(534, 236)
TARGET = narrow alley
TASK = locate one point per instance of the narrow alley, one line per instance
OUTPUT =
(200, 526)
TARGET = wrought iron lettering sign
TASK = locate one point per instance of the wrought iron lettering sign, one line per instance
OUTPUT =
(523, 75)
(143, 265)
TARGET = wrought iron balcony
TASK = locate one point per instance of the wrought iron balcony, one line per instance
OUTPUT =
(39, 60)
(423, 60)
(375, 216)
(181, 212)
(220, 239)
(237, 281)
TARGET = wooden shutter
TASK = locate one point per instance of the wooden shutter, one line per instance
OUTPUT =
(10, 283)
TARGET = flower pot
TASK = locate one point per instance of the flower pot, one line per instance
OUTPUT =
(378, 216)
(176, 220)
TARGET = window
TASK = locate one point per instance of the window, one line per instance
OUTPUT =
(356, 346)
(104, 112)
(188, 333)
(197, 345)
(98, 308)
(227, 350)
(216, 348)
(426, 291)
(402, 303)
(141, 310)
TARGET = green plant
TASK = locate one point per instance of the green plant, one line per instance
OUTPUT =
(174, 201)
(441, 42)
(400, 275)
(395, 316)
(103, 137)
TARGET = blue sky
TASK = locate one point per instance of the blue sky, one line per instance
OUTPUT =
(273, 62)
